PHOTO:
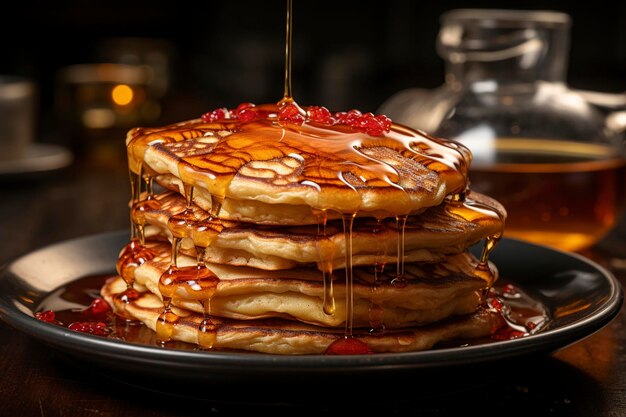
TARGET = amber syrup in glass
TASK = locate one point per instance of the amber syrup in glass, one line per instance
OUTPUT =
(562, 194)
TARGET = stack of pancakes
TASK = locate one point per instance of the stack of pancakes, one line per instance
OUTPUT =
(269, 235)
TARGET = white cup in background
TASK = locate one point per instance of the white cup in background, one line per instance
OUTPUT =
(17, 116)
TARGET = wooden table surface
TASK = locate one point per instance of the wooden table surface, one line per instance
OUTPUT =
(585, 379)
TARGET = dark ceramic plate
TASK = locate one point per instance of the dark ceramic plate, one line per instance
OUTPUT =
(581, 296)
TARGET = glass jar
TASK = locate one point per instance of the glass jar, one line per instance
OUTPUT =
(539, 147)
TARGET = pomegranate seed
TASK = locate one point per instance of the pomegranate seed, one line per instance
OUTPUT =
(348, 118)
(247, 115)
(385, 122)
(97, 306)
(531, 325)
(215, 115)
(291, 113)
(509, 289)
(247, 112)
(92, 327)
(242, 107)
(320, 114)
(348, 346)
(367, 123)
(47, 316)
(364, 119)
(496, 304)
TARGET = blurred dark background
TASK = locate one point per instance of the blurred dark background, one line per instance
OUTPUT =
(347, 54)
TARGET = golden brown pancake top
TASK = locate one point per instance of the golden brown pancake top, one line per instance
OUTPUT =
(325, 167)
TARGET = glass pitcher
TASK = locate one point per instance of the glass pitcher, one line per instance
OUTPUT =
(542, 149)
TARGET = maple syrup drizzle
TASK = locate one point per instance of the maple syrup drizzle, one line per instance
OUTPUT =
(179, 227)
(135, 192)
(376, 311)
(463, 206)
(216, 205)
(207, 330)
(135, 253)
(400, 279)
(138, 213)
(148, 181)
(166, 320)
(287, 96)
(348, 345)
(348, 222)
(196, 282)
(325, 251)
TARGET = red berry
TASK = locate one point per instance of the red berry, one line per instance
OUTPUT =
(348, 118)
(496, 304)
(348, 346)
(47, 316)
(362, 122)
(366, 123)
(373, 127)
(320, 114)
(215, 115)
(97, 306)
(291, 113)
(242, 107)
(247, 115)
(385, 122)
(92, 327)
(509, 289)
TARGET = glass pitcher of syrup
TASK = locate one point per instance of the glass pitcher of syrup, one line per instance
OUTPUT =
(542, 149)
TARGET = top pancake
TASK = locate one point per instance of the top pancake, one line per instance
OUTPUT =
(319, 166)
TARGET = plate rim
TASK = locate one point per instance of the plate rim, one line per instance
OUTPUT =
(39, 157)
(68, 340)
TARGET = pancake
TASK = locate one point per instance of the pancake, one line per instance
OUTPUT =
(430, 293)
(293, 228)
(320, 166)
(258, 212)
(428, 237)
(285, 337)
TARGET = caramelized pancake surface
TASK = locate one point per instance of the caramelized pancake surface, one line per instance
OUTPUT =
(323, 167)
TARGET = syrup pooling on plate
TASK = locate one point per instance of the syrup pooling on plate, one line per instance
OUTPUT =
(523, 314)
